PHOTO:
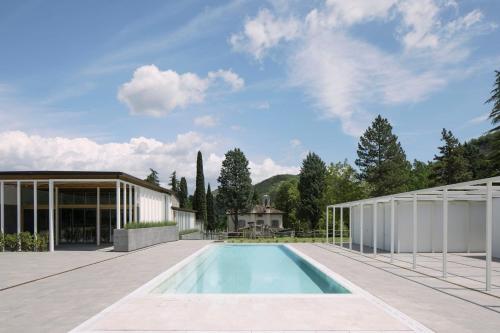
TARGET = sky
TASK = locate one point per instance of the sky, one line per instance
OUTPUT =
(132, 85)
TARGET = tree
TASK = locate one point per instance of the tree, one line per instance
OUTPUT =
(382, 160)
(235, 188)
(450, 166)
(183, 193)
(211, 215)
(200, 200)
(420, 175)
(153, 177)
(174, 183)
(287, 200)
(495, 99)
(311, 187)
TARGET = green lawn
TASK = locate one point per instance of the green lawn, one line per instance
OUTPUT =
(284, 240)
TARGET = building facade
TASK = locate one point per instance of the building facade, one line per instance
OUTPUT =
(259, 217)
(83, 207)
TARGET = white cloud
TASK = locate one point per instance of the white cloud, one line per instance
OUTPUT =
(264, 105)
(205, 121)
(295, 143)
(155, 93)
(343, 74)
(263, 32)
(479, 119)
(22, 151)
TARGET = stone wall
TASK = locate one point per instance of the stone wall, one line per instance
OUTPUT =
(125, 240)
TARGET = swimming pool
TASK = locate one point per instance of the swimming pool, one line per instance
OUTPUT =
(249, 269)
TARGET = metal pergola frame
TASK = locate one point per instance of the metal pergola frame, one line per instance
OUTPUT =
(483, 190)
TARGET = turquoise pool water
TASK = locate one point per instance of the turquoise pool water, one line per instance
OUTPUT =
(250, 269)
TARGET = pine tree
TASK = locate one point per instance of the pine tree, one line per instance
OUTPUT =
(382, 160)
(183, 193)
(211, 217)
(200, 201)
(153, 177)
(420, 175)
(235, 188)
(450, 166)
(174, 183)
(311, 188)
(495, 99)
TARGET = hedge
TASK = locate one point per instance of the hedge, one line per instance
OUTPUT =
(188, 231)
(137, 225)
(25, 241)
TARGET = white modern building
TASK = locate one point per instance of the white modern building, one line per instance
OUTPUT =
(462, 217)
(83, 207)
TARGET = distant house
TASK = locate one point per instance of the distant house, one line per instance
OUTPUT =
(259, 217)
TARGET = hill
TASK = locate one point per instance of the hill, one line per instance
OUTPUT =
(271, 184)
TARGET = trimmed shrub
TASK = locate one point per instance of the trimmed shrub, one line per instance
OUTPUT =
(137, 225)
(11, 242)
(26, 241)
(2, 241)
(42, 242)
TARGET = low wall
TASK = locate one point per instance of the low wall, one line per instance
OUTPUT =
(192, 236)
(125, 240)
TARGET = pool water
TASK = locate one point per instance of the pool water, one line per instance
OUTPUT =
(250, 269)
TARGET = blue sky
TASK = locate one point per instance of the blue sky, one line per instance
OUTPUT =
(128, 85)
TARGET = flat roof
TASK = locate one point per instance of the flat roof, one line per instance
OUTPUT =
(104, 175)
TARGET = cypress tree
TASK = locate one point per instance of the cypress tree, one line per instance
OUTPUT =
(174, 184)
(495, 99)
(200, 201)
(381, 159)
(450, 166)
(311, 188)
(153, 177)
(211, 221)
(183, 193)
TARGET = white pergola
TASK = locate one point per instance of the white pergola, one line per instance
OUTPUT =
(155, 206)
(483, 190)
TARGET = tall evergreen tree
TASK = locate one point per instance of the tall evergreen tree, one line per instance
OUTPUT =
(382, 160)
(235, 188)
(311, 188)
(211, 217)
(183, 193)
(495, 99)
(450, 166)
(153, 177)
(200, 200)
(174, 183)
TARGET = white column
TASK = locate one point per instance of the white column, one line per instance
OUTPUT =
(361, 208)
(35, 207)
(341, 226)
(468, 226)
(489, 232)
(392, 228)
(124, 204)
(130, 204)
(98, 218)
(375, 207)
(18, 201)
(118, 224)
(445, 233)
(333, 226)
(350, 227)
(56, 221)
(2, 207)
(415, 230)
(51, 215)
(135, 204)
(326, 219)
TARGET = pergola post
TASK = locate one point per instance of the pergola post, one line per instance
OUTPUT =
(326, 219)
(375, 207)
(98, 218)
(130, 204)
(2, 207)
(135, 204)
(415, 230)
(341, 226)
(445, 233)
(350, 227)
(333, 226)
(489, 232)
(56, 212)
(51, 215)
(35, 208)
(361, 208)
(392, 229)
(118, 224)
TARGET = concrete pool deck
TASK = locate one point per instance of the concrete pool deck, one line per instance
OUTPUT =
(61, 302)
